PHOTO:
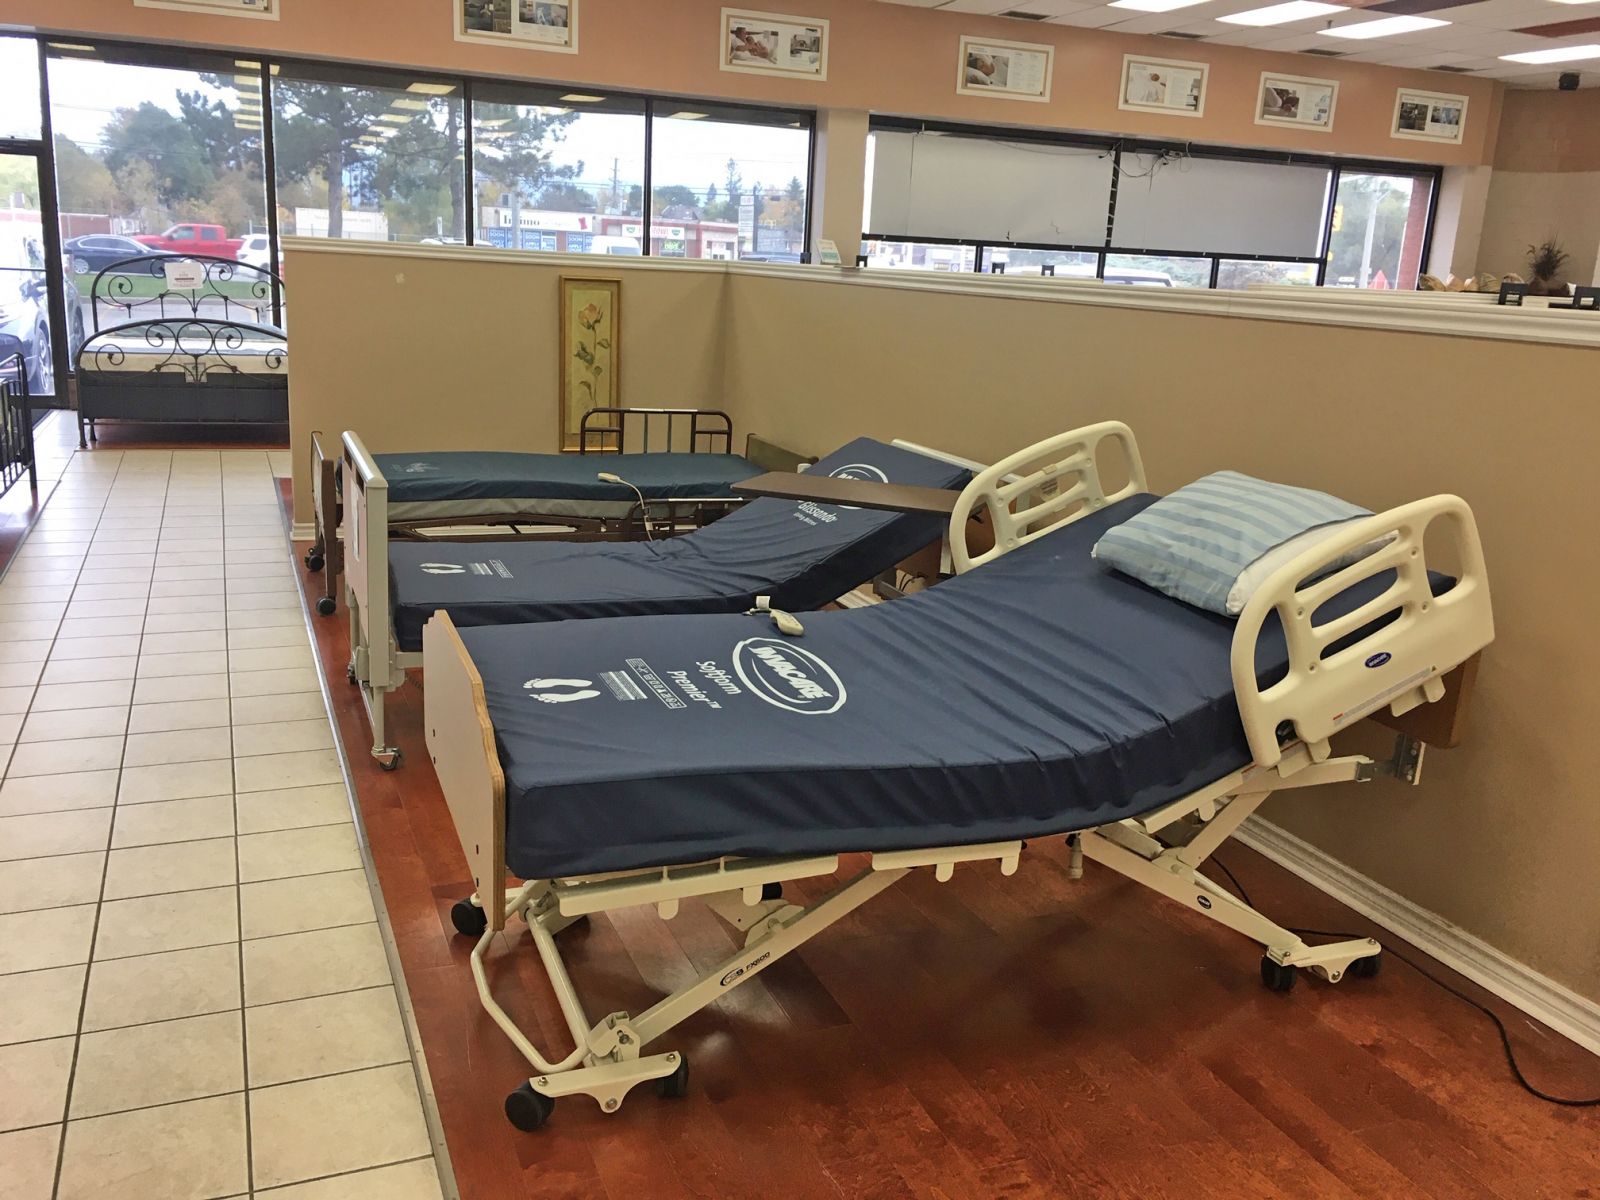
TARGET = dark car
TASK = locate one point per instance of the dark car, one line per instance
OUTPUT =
(96, 251)
(25, 306)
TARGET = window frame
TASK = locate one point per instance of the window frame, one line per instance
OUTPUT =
(1117, 147)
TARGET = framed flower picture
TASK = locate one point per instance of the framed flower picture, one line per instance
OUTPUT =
(591, 320)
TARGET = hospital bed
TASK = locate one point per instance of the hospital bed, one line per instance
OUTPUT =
(654, 760)
(797, 555)
(673, 470)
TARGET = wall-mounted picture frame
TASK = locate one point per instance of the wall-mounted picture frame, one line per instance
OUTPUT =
(260, 10)
(763, 43)
(589, 352)
(1163, 85)
(1004, 70)
(1297, 102)
(1429, 116)
(526, 24)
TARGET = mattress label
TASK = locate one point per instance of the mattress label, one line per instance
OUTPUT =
(788, 676)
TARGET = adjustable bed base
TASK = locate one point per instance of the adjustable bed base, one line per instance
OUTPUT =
(513, 813)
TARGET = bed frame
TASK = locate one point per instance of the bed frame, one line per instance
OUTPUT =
(603, 431)
(1287, 725)
(377, 664)
(201, 355)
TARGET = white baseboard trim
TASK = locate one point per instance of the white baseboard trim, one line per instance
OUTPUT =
(1569, 1014)
(303, 531)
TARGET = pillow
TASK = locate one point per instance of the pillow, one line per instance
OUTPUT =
(1252, 577)
(1195, 544)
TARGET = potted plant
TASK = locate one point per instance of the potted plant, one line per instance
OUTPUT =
(1545, 262)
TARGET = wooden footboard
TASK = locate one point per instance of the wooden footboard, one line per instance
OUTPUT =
(461, 745)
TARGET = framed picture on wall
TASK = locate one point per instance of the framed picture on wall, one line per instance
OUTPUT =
(758, 43)
(1163, 85)
(1009, 70)
(266, 10)
(1297, 102)
(1429, 116)
(528, 24)
(589, 351)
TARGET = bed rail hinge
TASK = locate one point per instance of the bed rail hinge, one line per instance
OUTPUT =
(1405, 764)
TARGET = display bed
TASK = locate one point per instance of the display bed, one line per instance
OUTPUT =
(655, 759)
(194, 351)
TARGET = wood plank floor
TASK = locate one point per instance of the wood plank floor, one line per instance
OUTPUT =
(1030, 1037)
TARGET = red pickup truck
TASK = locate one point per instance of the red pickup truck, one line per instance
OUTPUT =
(189, 238)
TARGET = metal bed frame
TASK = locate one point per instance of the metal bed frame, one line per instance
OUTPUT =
(1327, 687)
(16, 425)
(603, 431)
(194, 342)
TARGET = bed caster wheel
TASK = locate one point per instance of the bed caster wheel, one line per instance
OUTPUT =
(1276, 976)
(468, 918)
(326, 605)
(527, 1109)
(676, 1085)
(314, 561)
(772, 891)
(389, 760)
(350, 675)
(1365, 968)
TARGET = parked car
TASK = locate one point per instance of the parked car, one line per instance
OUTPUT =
(626, 247)
(191, 238)
(96, 251)
(25, 306)
(255, 250)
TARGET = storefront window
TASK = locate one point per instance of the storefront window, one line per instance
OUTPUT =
(1379, 225)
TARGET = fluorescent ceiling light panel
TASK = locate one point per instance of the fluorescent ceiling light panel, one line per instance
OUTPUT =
(78, 46)
(580, 98)
(1155, 6)
(393, 117)
(432, 89)
(1388, 27)
(413, 105)
(1282, 14)
(690, 116)
(1559, 55)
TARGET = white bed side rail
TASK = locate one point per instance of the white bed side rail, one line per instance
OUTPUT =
(366, 549)
(941, 455)
(1399, 665)
(1042, 481)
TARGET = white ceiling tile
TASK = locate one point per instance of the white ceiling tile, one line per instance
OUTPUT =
(978, 6)
(1092, 18)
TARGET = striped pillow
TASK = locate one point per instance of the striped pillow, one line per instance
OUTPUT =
(1195, 543)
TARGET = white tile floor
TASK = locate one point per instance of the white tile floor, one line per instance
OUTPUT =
(195, 1001)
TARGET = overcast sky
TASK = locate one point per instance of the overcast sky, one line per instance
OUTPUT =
(85, 94)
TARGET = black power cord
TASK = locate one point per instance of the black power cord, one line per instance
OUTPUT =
(1500, 1026)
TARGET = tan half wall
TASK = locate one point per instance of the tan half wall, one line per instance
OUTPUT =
(454, 349)
(417, 351)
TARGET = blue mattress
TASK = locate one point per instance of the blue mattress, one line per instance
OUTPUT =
(1036, 695)
(495, 475)
(802, 555)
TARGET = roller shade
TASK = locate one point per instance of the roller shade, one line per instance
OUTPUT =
(938, 185)
(1215, 205)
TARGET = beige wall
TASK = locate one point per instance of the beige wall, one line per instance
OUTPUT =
(1546, 183)
(415, 352)
(885, 58)
(1500, 839)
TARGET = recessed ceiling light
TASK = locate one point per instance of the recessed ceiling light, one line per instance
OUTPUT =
(1574, 1)
(580, 98)
(690, 116)
(243, 63)
(76, 46)
(1558, 55)
(393, 117)
(1282, 14)
(544, 110)
(1387, 27)
(414, 105)
(491, 122)
(1155, 6)
(432, 89)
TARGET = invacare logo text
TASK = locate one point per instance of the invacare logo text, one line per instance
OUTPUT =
(788, 676)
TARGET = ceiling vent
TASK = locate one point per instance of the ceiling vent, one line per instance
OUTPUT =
(1019, 15)
(1183, 37)
(1456, 70)
(1327, 53)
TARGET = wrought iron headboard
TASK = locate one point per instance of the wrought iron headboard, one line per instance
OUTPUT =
(133, 289)
(199, 349)
(691, 430)
(16, 424)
